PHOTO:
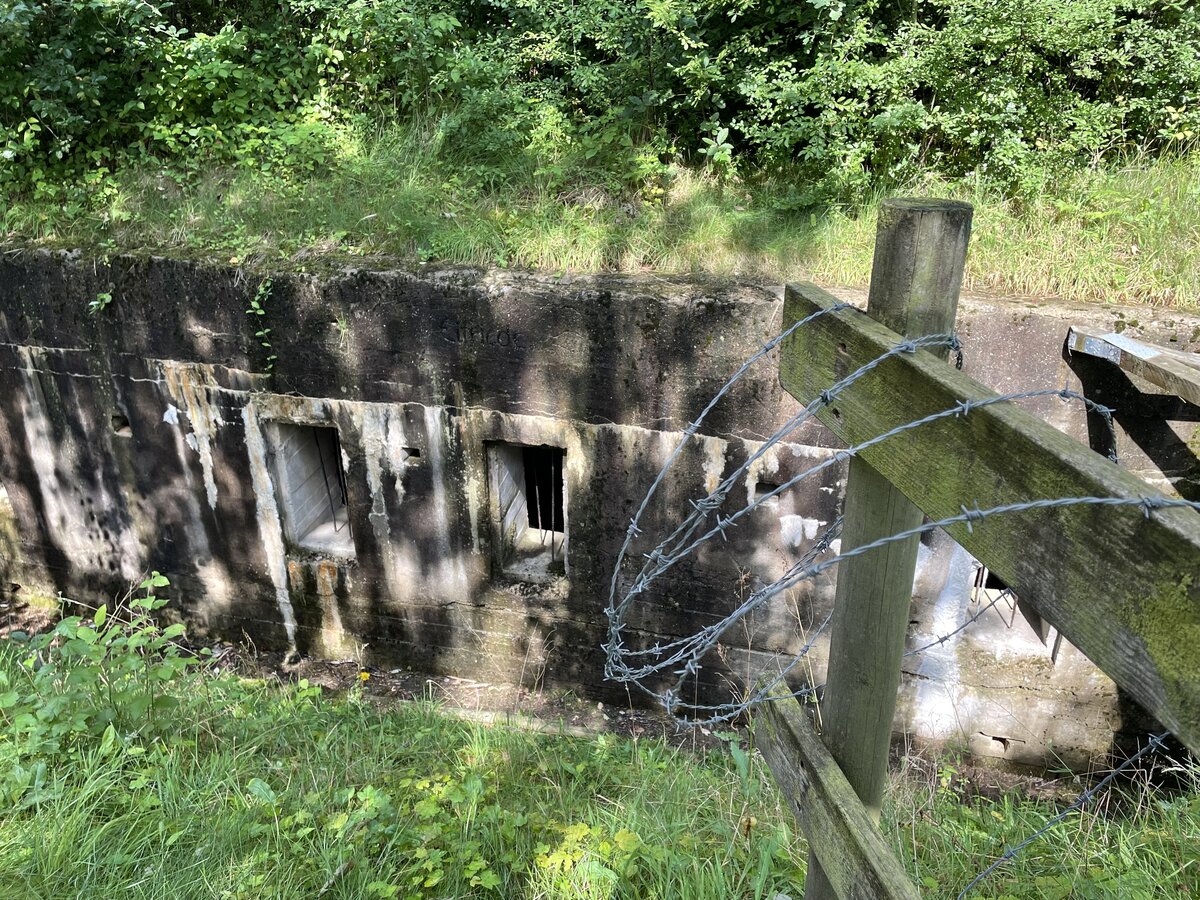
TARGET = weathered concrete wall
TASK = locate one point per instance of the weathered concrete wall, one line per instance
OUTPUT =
(418, 376)
(141, 437)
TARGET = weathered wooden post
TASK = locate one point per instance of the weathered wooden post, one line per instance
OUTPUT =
(920, 250)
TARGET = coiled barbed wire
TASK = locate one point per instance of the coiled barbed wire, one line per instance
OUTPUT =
(679, 660)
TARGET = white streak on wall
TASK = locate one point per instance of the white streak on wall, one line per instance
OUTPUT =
(795, 530)
(714, 462)
(381, 428)
(384, 445)
(475, 501)
(269, 527)
(189, 386)
(761, 469)
(942, 710)
(373, 428)
(78, 534)
(396, 445)
(452, 565)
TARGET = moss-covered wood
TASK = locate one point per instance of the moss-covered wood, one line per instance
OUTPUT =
(855, 859)
(1120, 583)
(920, 249)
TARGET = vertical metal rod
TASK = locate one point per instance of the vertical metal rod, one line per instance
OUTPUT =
(325, 478)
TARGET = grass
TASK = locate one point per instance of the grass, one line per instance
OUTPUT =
(256, 792)
(249, 790)
(1127, 232)
(1137, 841)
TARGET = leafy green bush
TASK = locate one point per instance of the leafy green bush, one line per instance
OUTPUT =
(87, 677)
(1019, 89)
(87, 85)
(843, 95)
(1041, 84)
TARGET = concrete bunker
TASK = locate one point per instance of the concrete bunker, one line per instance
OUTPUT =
(455, 505)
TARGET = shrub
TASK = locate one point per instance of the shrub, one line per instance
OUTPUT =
(844, 95)
(88, 676)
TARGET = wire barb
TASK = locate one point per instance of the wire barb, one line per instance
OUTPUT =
(664, 668)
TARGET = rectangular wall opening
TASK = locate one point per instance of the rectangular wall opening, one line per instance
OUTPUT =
(529, 507)
(311, 488)
(762, 488)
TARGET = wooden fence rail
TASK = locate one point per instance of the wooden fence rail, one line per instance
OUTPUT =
(1122, 583)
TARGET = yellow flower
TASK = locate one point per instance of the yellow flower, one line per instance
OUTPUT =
(364, 676)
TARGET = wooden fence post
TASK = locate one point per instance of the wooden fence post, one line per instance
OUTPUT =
(920, 250)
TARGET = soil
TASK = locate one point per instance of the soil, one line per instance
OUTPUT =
(18, 615)
(550, 711)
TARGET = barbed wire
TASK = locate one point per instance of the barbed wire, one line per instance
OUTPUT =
(663, 669)
(679, 660)
(1005, 594)
(1085, 798)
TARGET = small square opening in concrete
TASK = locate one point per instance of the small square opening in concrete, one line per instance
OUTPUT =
(311, 488)
(762, 488)
(529, 507)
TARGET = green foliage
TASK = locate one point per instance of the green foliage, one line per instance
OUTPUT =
(241, 791)
(127, 772)
(104, 676)
(258, 308)
(100, 303)
(1020, 89)
(847, 96)
(747, 137)
(87, 85)
(1135, 841)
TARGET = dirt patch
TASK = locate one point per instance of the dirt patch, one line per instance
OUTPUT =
(556, 712)
(18, 616)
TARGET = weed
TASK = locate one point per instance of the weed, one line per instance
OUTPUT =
(100, 303)
(258, 307)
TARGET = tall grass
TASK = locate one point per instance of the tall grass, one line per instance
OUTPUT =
(257, 791)
(1125, 232)
(1136, 841)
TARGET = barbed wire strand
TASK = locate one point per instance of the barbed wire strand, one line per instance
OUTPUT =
(662, 558)
(1005, 594)
(1086, 797)
(676, 661)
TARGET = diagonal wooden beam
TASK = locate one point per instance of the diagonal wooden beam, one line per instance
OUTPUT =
(1121, 583)
(855, 859)
(1171, 370)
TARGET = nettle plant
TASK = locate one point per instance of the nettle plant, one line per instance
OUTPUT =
(98, 676)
